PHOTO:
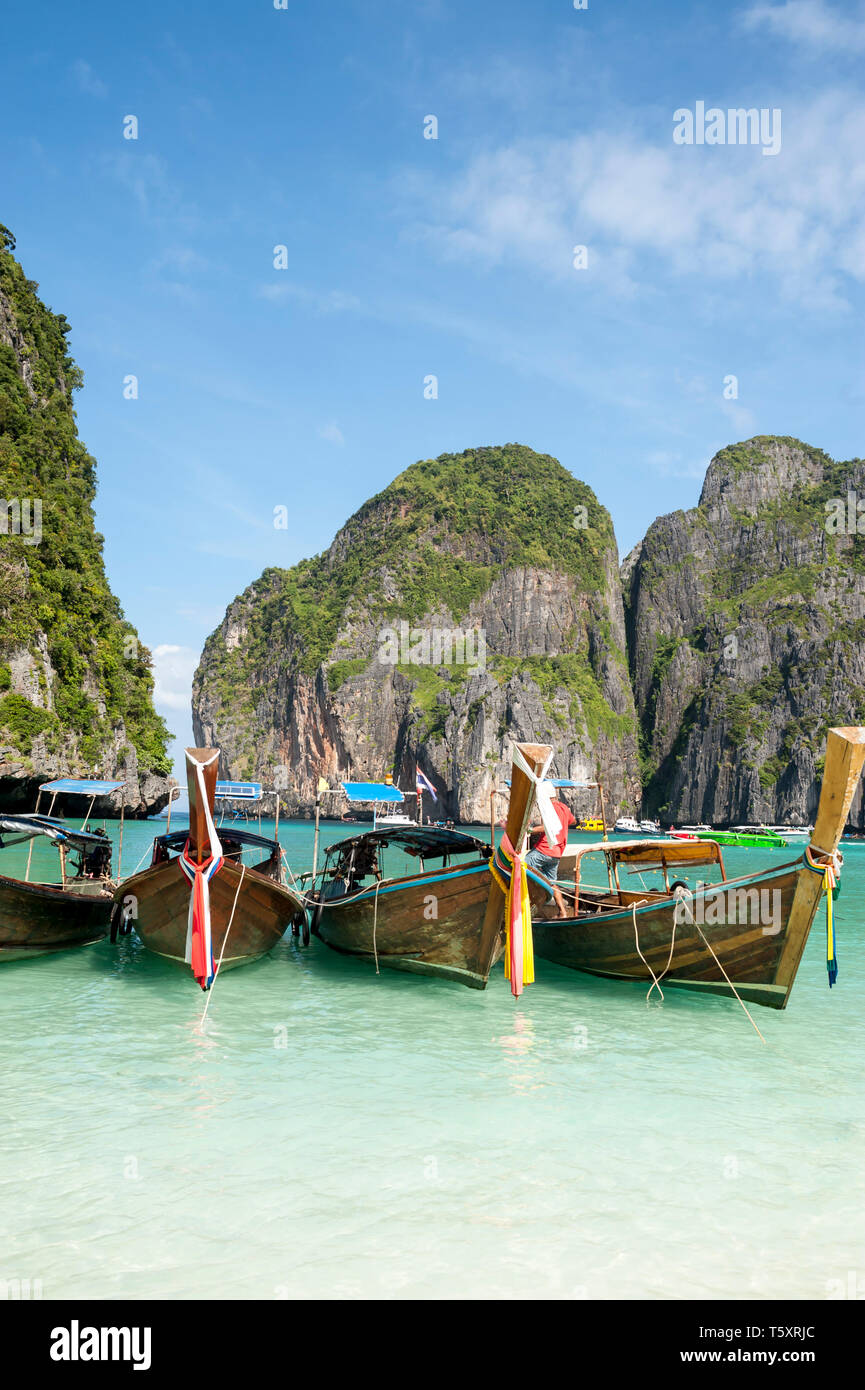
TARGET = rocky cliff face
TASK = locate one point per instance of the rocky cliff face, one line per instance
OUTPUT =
(75, 683)
(473, 602)
(746, 620)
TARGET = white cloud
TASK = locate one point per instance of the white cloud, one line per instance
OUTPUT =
(173, 669)
(722, 213)
(332, 433)
(87, 80)
(810, 22)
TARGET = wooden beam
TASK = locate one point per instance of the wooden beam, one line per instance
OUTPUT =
(845, 754)
(199, 834)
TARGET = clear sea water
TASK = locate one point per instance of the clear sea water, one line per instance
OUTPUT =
(331, 1133)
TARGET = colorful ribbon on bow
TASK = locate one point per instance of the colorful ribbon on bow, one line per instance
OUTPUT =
(199, 937)
(519, 949)
(830, 869)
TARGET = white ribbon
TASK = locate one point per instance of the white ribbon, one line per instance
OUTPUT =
(543, 793)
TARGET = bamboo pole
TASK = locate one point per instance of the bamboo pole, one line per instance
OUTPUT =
(315, 838)
(30, 846)
(122, 818)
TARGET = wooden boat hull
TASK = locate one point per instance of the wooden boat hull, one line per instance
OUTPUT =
(160, 911)
(37, 919)
(401, 935)
(752, 952)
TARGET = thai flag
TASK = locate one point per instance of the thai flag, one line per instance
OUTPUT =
(423, 784)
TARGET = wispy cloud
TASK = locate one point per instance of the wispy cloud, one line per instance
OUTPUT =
(810, 22)
(87, 80)
(147, 179)
(332, 433)
(723, 213)
(672, 465)
(324, 301)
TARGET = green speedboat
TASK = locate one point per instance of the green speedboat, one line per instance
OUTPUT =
(745, 839)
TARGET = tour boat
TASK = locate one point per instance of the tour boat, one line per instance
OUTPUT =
(198, 903)
(38, 917)
(625, 825)
(742, 937)
(445, 919)
(745, 839)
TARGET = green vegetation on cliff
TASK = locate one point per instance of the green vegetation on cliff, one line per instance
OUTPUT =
(437, 536)
(56, 591)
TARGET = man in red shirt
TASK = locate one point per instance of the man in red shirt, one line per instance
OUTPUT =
(544, 857)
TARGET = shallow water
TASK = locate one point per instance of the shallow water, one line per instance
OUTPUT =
(334, 1133)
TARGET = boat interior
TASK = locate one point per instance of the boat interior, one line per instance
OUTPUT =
(659, 867)
(84, 862)
(238, 847)
(358, 863)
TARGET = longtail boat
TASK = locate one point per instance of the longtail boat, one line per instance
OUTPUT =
(446, 920)
(198, 903)
(742, 936)
(37, 917)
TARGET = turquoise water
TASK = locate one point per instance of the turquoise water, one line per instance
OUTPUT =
(333, 1133)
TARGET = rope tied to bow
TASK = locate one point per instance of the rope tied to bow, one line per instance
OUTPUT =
(828, 866)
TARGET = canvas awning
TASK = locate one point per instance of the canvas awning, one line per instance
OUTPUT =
(238, 791)
(81, 786)
(16, 830)
(425, 842)
(372, 791)
(648, 854)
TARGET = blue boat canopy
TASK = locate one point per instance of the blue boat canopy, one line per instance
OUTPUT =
(372, 791)
(76, 786)
(238, 791)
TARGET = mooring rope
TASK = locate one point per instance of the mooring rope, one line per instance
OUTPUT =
(656, 979)
(680, 896)
(224, 943)
(730, 983)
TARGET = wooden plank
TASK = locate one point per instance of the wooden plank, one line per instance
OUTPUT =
(199, 834)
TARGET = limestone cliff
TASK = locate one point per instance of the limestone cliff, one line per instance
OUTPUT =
(746, 620)
(340, 666)
(75, 683)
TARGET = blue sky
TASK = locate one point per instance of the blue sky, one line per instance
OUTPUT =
(304, 127)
